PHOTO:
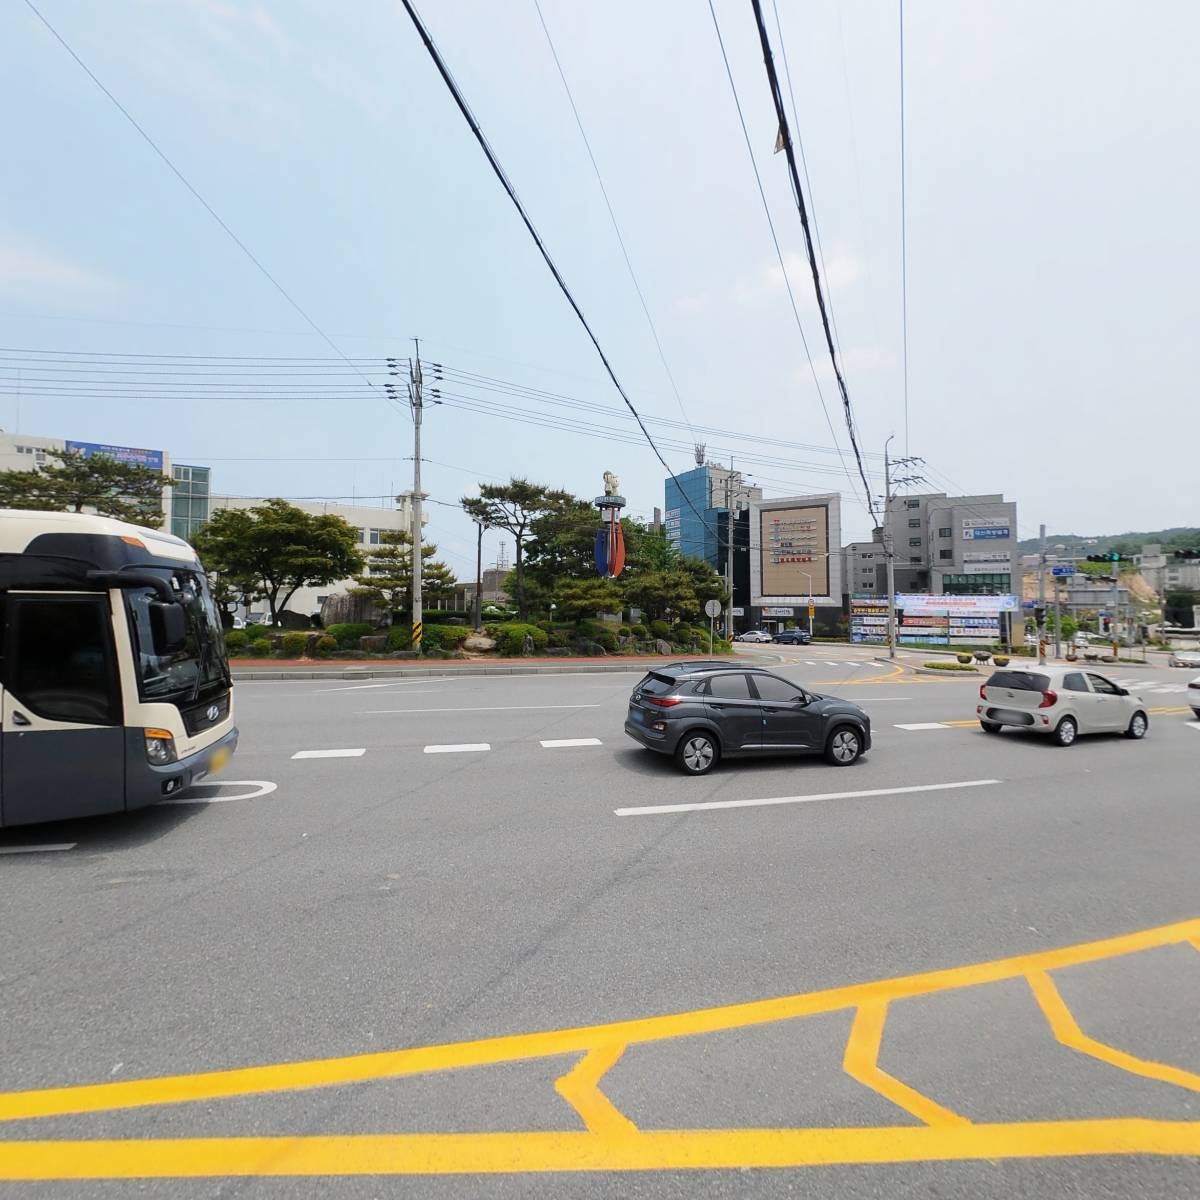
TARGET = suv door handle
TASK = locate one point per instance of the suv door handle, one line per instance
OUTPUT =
(19, 718)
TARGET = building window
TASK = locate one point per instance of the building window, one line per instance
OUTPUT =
(915, 558)
(945, 554)
(867, 585)
(914, 541)
(912, 504)
(914, 522)
(945, 532)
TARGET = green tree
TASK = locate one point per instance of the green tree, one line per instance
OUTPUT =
(513, 507)
(578, 598)
(74, 483)
(660, 581)
(387, 580)
(562, 544)
(280, 547)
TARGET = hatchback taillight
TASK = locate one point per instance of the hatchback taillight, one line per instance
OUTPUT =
(664, 701)
(1049, 699)
(982, 693)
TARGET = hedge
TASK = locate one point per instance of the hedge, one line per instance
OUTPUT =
(948, 666)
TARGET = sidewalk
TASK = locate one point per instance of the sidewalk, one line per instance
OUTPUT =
(388, 668)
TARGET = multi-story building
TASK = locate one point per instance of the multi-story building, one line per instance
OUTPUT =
(1166, 573)
(696, 502)
(949, 545)
(861, 566)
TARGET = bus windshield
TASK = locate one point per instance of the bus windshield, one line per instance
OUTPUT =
(200, 664)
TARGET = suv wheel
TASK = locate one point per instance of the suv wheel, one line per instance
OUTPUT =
(844, 746)
(696, 753)
(1065, 731)
(990, 726)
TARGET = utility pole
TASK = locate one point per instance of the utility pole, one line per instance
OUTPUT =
(417, 404)
(477, 621)
(1041, 604)
(1057, 620)
(889, 549)
(729, 528)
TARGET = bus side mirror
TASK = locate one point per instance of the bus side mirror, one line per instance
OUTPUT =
(168, 625)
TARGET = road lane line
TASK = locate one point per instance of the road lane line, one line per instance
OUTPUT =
(46, 849)
(462, 748)
(375, 712)
(915, 725)
(359, 687)
(704, 806)
(329, 753)
(557, 743)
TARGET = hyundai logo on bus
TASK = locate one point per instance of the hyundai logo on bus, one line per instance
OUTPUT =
(213, 712)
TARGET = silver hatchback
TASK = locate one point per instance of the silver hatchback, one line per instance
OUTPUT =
(1061, 702)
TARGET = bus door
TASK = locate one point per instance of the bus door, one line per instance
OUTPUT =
(62, 745)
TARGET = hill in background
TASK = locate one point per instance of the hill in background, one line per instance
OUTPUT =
(1080, 545)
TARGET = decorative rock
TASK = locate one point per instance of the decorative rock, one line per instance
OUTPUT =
(479, 643)
(661, 647)
(373, 644)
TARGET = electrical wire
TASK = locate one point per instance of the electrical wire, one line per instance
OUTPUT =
(783, 266)
(507, 184)
(612, 216)
(786, 137)
(212, 212)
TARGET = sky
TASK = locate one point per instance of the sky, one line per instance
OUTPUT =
(1052, 167)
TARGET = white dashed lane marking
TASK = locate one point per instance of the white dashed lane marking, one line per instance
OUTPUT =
(463, 748)
(562, 743)
(329, 753)
(924, 725)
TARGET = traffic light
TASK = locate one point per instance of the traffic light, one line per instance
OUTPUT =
(1111, 557)
(1105, 623)
(1187, 553)
(1039, 615)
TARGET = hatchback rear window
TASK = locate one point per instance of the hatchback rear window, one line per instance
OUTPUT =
(1027, 681)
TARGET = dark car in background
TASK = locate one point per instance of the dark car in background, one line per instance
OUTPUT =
(793, 637)
(701, 712)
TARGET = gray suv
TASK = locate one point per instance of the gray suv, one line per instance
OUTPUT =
(700, 712)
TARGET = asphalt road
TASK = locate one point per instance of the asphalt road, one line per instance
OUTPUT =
(634, 1004)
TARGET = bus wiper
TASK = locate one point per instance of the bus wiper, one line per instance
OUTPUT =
(202, 661)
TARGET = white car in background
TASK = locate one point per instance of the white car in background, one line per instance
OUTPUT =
(1061, 702)
(753, 635)
(1184, 658)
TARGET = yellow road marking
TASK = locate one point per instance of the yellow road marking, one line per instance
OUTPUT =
(395, 1064)
(580, 1088)
(612, 1142)
(861, 1062)
(1176, 709)
(508, 1153)
(963, 724)
(889, 676)
(1066, 1030)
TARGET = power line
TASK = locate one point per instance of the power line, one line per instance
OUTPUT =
(903, 232)
(782, 265)
(183, 179)
(786, 138)
(507, 184)
(612, 216)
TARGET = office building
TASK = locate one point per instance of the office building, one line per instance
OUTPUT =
(1166, 573)
(945, 545)
(695, 502)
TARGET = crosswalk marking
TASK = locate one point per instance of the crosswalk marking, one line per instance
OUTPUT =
(329, 753)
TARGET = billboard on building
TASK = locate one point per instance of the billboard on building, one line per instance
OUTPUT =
(986, 530)
(794, 550)
(152, 460)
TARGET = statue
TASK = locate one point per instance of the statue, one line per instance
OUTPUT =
(610, 537)
(611, 484)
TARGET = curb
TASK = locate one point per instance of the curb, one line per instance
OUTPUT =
(431, 672)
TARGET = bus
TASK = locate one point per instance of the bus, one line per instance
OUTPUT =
(115, 689)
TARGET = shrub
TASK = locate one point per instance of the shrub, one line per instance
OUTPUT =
(236, 640)
(510, 639)
(948, 666)
(449, 637)
(605, 638)
(660, 629)
(399, 637)
(325, 646)
(347, 633)
(640, 632)
(625, 631)
(260, 648)
(294, 644)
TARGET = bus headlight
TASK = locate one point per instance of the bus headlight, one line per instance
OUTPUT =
(160, 747)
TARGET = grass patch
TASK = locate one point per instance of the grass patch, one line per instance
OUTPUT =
(948, 666)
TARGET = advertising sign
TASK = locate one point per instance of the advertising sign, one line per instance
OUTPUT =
(152, 460)
(794, 551)
(988, 529)
(672, 524)
(779, 612)
(921, 603)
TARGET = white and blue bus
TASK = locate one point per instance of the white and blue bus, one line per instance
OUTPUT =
(114, 685)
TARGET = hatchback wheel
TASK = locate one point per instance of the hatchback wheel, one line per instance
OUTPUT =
(696, 753)
(1065, 731)
(844, 747)
(1137, 726)
(990, 726)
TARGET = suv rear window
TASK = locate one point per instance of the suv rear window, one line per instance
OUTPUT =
(657, 685)
(1027, 681)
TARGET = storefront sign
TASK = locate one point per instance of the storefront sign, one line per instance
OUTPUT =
(779, 612)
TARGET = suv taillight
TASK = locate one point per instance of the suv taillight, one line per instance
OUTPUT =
(664, 701)
(1049, 699)
(982, 693)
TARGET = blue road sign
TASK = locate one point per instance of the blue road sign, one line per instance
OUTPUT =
(1062, 570)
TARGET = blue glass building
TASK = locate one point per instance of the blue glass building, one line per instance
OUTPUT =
(695, 536)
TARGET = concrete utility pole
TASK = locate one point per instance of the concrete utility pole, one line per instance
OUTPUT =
(889, 549)
(477, 607)
(417, 404)
(729, 531)
(1041, 602)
